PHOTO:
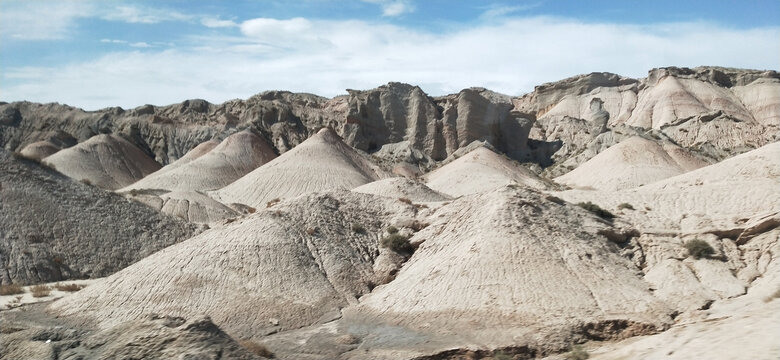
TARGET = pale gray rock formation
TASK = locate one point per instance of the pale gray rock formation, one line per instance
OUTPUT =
(39, 150)
(323, 162)
(233, 158)
(106, 161)
(285, 267)
(153, 337)
(192, 206)
(55, 228)
(402, 188)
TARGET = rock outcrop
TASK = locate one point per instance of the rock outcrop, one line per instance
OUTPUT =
(55, 228)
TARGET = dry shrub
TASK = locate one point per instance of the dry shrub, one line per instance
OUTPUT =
(86, 182)
(69, 287)
(311, 231)
(597, 210)
(392, 230)
(699, 249)
(257, 349)
(577, 353)
(40, 291)
(11, 289)
(418, 225)
(398, 243)
(358, 229)
(405, 200)
(272, 202)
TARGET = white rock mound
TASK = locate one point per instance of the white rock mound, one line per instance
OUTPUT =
(107, 161)
(322, 162)
(202, 169)
(39, 150)
(505, 268)
(632, 163)
(478, 171)
(293, 265)
(401, 187)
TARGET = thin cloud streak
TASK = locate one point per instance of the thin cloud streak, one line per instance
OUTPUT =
(326, 57)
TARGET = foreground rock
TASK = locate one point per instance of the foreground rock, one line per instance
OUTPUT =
(153, 337)
(55, 228)
(293, 265)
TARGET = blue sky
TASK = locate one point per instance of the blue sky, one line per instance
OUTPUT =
(94, 54)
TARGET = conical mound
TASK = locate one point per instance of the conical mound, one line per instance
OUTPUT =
(293, 265)
(191, 206)
(479, 171)
(54, 228)
(401, 187)
(107, 161)
(233, 158)
(322, 162)
(39, 150)
(499, 266)
(632, 163)
(702, 200)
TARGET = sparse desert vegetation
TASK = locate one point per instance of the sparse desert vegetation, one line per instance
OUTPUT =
(72, 287)
(11, 289)
(398, 243)
(597, 210)
(257, 349)
(699, 249)
(40, 291)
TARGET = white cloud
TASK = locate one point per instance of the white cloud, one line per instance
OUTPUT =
(217, 22)
(326, 57)
(40, 20)
(113, 41)
(143, 15)
(141, 44)
(392, 8)
(498, 11)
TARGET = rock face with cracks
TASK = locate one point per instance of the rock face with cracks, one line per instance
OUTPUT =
(106, 161)
(54, 228)
(293, 265)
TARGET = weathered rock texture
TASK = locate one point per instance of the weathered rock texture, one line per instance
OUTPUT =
(106, 161)
(323, 162)
(292, 265)
(55, 228)
(233, 158)
(716, 111)
(633, 162)
(153, 337)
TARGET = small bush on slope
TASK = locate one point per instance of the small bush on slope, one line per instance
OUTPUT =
(11, 289)
(699, 249)
(398, 243)
(604, 214)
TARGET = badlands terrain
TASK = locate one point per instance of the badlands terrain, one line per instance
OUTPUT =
(597, 217)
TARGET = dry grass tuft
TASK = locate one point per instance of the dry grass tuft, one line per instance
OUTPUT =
(40, 291)
(11, 289)
(272, 202)
(405, 200)
(69, 287)
(257, 349)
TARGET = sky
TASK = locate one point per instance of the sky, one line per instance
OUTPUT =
(94, 54)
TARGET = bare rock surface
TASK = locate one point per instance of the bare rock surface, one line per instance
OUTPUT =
(55, 228)
(153, 337)
(402, 188)
(323, 162)
(480, 170)
(39, 149)
(192, 206)
(289, 266)
(233, 158)
(631, 163)
(106, 161)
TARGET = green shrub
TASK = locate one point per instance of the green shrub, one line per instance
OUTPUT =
(577, 353)
(699, 249)
(398, 243)
(392, 230)
(625, 206)
(358, 229)
(597, 210)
